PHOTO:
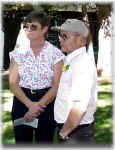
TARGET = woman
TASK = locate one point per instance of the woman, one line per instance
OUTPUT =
(34, 78)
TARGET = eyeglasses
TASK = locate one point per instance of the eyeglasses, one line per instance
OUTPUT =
(32, 27)
(64, 36)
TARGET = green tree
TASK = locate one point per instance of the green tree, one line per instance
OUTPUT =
(95, 14)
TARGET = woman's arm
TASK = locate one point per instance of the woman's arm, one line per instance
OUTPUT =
(51, 94)
(17, 91)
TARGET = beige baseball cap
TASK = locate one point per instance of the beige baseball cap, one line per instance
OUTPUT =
(74, 25)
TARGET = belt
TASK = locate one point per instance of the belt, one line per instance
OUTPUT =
(35, 91)
(60, 125)
(85, 125)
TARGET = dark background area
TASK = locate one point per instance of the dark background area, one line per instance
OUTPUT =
(12, 19)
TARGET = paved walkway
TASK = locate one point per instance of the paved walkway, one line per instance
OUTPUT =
(7, 106)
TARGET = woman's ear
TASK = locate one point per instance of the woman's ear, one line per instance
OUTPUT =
(45, 30)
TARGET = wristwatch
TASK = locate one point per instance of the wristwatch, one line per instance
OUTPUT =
(62, 137)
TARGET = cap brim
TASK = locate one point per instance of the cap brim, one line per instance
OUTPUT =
(55, 28)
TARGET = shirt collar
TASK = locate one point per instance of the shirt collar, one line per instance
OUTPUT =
(75, 53)
(46, 44)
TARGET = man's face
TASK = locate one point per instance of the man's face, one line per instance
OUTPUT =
(69, 41)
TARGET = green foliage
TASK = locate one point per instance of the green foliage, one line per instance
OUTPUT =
(4, 100)
(104, 13)
(6, 116)
(17, 6)
(103, 125)
(8, 134)
(106, 95)
(70, 6)
(103, 116)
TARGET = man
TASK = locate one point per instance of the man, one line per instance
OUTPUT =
(75, 103)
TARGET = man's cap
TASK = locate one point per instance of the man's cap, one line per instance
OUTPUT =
(73, 25)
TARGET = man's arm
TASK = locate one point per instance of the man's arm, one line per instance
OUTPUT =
(73, 120)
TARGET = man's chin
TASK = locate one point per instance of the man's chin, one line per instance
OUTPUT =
(63, 49)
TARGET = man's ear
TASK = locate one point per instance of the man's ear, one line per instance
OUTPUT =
(82, 40)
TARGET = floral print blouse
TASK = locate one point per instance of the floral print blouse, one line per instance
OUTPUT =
(37, 72)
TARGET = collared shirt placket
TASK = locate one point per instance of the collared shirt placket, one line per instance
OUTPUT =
(36, 66)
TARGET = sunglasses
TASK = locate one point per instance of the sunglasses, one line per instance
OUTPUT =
(64, 36)
(32, 27)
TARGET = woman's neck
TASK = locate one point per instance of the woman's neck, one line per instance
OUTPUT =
(37, 46)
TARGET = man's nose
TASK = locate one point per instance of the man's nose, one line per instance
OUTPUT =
(61, 39)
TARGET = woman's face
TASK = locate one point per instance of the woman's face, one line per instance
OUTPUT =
(34, 30)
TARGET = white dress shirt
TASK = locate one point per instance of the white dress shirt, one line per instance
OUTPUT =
(78, 84)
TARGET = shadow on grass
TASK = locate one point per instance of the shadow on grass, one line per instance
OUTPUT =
(8, 134)
(105, 83)
(4, 100)
(105, 95)
(103, 125)
(6, 116)
(5, 85)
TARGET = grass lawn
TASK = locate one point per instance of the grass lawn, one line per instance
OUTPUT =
(103, 121)
(103, 116)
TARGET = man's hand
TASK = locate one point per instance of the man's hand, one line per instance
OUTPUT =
(34, 111)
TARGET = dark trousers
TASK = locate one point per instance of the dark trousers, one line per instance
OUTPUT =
(46, 124)
(83, 135)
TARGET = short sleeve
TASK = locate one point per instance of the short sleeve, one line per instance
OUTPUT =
(57, 55)
(18, 57)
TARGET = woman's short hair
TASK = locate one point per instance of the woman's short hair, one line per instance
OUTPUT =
(38, 16)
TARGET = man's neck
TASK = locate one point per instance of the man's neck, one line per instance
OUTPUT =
(77, 48)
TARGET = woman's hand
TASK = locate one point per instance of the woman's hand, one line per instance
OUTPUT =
(34, 111)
